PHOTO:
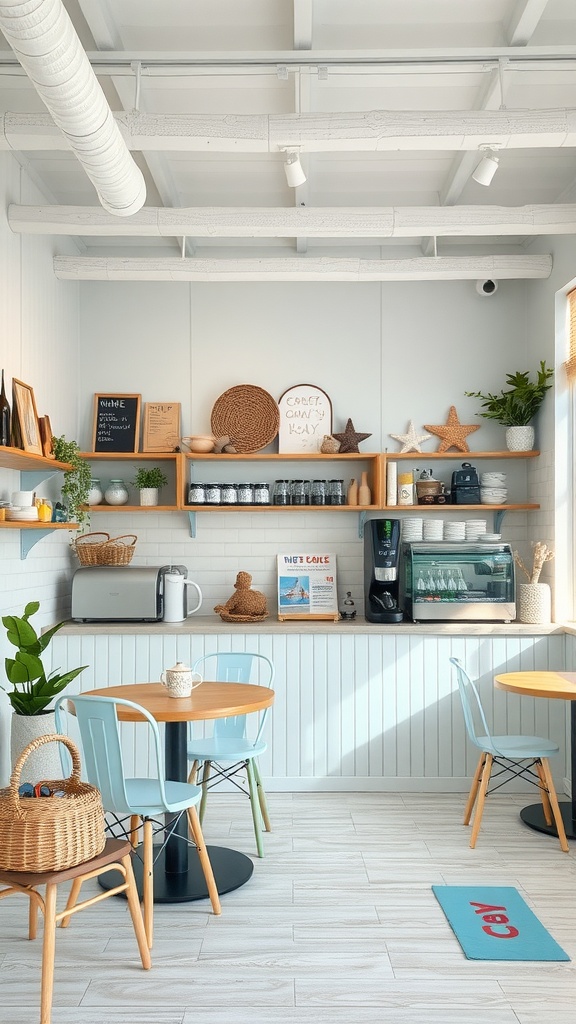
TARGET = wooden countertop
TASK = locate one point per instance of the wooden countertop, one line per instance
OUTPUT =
(212, 624)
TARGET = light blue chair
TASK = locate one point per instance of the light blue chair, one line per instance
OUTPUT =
(508, 753)
(229, 742)
(139, 798)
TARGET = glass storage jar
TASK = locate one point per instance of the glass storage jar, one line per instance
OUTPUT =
(261, 494)
(213, 494)
(318, 492)
(116, 493)
(196, 494)
(336, 493)
(95, 492)
(281, 492)
(298, 492)
(228, 494)
(245, 494)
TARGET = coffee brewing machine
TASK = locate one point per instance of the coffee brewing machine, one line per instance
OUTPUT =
(381, 555)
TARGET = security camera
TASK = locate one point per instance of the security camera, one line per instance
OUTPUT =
(486, 287)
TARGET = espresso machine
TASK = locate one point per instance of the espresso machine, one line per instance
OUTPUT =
(381, 554)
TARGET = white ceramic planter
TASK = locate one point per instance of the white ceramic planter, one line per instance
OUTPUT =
(148, 495)
(43, 763)
(520, 439)
(534, 603)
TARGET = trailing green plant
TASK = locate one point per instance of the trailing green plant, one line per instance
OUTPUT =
(518, 405)
(32, 689)
(153, 477)
(76, 484)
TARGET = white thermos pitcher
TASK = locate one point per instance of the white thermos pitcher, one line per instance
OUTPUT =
(175, 597)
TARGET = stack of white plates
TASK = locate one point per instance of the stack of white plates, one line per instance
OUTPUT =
(412, 528)
(455, 531)
(27, 514)
(475, 528)
(433, 529)
(492, 479)
(493, 495)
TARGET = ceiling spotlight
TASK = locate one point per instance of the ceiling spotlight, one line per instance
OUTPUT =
(487, 167)
(293, 168)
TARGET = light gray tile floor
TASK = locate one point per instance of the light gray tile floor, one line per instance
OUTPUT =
(338, 925)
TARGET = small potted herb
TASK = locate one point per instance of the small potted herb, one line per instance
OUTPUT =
(149, 482)
(516, 406)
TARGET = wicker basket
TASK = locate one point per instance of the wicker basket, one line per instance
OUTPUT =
(92, 550)
(248, 415)
(50, 833)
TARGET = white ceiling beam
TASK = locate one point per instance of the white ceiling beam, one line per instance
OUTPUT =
(354, 131)
(294, 268)
(303, 24)
(524, 20)
(289, 222)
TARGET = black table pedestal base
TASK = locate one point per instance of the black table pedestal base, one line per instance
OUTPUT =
(231, 870)
(533, 816)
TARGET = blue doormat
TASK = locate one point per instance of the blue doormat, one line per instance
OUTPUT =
(494, 923)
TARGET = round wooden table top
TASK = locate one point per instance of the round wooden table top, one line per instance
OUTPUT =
(539, 684)
(208, 700)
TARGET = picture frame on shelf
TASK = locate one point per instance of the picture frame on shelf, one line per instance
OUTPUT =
(305, 417)
(25, 427)
(161, 429)
(116, 423)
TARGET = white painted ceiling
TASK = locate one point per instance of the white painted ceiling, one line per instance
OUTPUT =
(285, 57)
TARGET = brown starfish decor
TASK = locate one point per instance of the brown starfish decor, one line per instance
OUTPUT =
(453, 433)
(350, 439)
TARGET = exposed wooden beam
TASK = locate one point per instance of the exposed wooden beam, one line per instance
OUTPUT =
(293, 268)
(360, 131)
(291, 222)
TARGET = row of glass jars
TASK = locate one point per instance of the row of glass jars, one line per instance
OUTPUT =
(285, 492)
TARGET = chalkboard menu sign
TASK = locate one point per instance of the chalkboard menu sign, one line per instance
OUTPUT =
(116, 423)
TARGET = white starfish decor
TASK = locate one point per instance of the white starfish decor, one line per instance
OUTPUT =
(411, 441)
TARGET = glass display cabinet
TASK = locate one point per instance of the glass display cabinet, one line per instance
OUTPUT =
(460, 581)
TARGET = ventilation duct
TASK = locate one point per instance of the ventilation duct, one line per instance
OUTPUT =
(45, 42)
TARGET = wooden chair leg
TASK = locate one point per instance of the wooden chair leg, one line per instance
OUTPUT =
(474, 788)
(555, 805)
(72, 899)
(193, 774)
(262, 797)
(255, 805)
(481, 798)
(148, 881)
(196, 831)
(544, 794)
(205, 777)
(134, 827)
(32, 918)
(136, 915)
(48, 953)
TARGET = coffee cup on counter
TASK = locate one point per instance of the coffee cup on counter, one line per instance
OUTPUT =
(180, 680)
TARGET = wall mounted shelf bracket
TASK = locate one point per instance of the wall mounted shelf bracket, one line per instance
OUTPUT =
(192, 518)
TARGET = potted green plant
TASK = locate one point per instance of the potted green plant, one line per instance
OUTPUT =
(77, 480)
(149, 482)
(32, 689)
(516, 406)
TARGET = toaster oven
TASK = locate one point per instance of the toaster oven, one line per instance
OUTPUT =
(471, 582)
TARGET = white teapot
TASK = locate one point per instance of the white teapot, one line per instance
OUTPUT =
(180, 680)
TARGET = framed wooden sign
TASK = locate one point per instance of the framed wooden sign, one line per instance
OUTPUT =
(25, 429)
(161, 431)
(305, 416)
(116, 423)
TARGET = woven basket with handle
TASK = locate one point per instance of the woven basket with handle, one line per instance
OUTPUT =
(50, 833)
(102, 549)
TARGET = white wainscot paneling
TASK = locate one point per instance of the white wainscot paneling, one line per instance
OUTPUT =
(357, 712)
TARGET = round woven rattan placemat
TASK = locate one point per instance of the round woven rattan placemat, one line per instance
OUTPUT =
(229, 617)
(248, 415)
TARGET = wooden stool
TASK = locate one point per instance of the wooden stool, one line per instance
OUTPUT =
(115, 856)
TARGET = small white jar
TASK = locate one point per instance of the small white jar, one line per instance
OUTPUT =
(116, 493)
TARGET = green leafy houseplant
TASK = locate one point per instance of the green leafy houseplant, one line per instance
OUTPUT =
(518, 405)
(76, 480)
(149, 478)
(32, 690)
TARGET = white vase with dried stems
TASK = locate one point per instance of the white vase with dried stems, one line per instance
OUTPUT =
(534, 598)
